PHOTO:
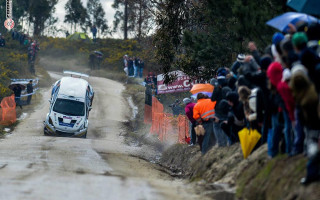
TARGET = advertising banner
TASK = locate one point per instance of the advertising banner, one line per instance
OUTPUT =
(181, 84)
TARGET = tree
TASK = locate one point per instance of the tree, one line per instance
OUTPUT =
(97, 16)
(121, 16)
(171, 20)
(39, 11)
(198, 37)
(135, 18)
(76, 14)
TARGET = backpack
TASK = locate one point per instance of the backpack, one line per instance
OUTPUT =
(253, 99)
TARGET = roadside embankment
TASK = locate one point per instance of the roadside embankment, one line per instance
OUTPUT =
(257, 177)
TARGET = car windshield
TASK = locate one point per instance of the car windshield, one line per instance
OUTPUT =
(69, 107)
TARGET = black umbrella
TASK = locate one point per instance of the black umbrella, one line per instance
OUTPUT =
(13, 85)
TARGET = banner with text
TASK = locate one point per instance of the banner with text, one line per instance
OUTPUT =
(181, 84)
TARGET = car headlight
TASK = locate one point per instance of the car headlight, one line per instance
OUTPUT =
(81, 127)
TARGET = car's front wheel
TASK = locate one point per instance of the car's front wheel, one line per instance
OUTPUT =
(45, 132)
(84, 135)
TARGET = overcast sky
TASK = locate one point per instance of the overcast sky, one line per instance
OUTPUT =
(107, 5)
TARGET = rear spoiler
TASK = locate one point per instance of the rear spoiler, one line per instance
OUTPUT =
(76, 74)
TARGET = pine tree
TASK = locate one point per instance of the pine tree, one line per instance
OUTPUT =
(97, 16)
(136, 17)
(76, 14)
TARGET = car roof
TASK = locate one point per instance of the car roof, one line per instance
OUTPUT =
(76, 87)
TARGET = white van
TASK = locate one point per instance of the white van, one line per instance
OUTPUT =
(70, 103)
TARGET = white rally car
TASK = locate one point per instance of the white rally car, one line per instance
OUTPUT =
(70, 104)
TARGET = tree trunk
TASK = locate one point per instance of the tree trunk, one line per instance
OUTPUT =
(125, 21)
(36, 27)
(140, 20)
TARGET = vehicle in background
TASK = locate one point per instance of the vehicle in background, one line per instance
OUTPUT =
(70, 104)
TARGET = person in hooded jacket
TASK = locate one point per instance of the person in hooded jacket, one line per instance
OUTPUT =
(219, 93)
(307, 99)
(288, 54)
(221, 120)
(189, 113)
(274, 74)
(307, 57)
(236, 118)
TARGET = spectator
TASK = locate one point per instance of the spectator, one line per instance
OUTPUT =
(141, 66)
(237, 64)
(189, 112)
(125, 64)
(176, 109)
(203, 113)
(219, 94)
(26, 41)
(254, 51)
(2, 41)
(92, 61)
(21, 39)
(306, 97)
(29, 91)
(94, 32)
(17, 94)
(130, 67)
(236, 118)
(135, 66)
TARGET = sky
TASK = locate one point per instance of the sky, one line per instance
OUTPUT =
(107, 5)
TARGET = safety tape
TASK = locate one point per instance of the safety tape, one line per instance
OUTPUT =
(24, 95)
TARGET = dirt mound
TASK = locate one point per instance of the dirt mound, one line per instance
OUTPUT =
(276, 179)
(257, 177)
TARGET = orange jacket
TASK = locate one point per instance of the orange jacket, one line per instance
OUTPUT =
(204, 110)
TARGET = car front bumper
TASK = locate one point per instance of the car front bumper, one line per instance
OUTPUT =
(52, 131)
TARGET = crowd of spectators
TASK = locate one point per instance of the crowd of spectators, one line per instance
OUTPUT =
(32, 47)
(133, 66)
(276, 93)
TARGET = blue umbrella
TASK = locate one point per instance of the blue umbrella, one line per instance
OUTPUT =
(311, 7)
(281, 22)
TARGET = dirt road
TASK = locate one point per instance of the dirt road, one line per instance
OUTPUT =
(33, 166)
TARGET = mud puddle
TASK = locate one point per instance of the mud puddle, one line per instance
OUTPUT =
(129, 167)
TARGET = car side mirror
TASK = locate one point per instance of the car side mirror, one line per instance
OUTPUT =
(49, 100)
(90, 108)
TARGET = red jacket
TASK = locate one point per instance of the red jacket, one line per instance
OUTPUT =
(189, 111)
(274, 74)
